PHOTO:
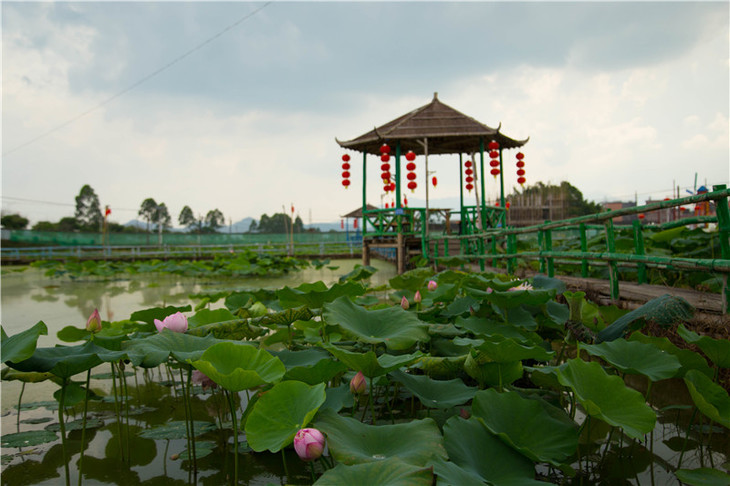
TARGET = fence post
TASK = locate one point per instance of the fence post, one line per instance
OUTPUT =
(584, 249)
(494, 250)
(480, 252)
(723, 227)
(540, 238)
(545, 240)
(612, 267)
(511, 246)
(639, 247)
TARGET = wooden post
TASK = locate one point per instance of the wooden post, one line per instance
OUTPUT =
(365, 252)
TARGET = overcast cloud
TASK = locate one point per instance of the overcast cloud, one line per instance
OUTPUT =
(617, 98)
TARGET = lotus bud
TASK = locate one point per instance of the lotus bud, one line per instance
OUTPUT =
(357, 384)
(464, 413)
(417, 297)
(432, 285)
(176, 323)
(404, 303)
(309, 444)
(94, 322)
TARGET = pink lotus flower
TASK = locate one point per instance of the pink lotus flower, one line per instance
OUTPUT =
(404, 303)
(357, 384)
(522, 286)
(417, 298)
(94, 322)
(432, 285)
(176, 323)
(309, 444)
(201, 378)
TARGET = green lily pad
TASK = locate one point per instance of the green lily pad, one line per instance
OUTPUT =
(352, 442)
(703, 476)
(710, 398)
(435, 393)
(389, 472)
(22, 345)
(73, 394)
(527, 426)
(338, 398)
(202, 448)
(71, 334)
(398, 329)
(468, 442)
(176, 430)
(91, 423)
(311, 366)
(149, 315)
(636, 358)
(505, 350)
(486, 371)
(66, 361)
(441, 367)
(315, 295)
(688, 359)
(607, 397)
(487, 327)
(237, 367)
(157, 348)
(280, 412)
(209, 316)
(28, 439)
(718, 350)
(371, 365)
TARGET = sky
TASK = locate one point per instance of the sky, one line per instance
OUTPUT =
(236, 105)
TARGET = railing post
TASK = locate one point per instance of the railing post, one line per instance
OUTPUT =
(511, 247)
(480, 252)
(612, 266)
(723, 227)
(545, 241)
(542, 268)
(446, 246)
(639, 248)
(494, 250)
(584, 249)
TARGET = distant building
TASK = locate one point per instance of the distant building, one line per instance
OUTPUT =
(615, 206)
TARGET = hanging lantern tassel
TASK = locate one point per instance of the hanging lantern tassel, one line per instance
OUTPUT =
(520, 169)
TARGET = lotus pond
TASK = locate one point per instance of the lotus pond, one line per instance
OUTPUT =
(449, 378)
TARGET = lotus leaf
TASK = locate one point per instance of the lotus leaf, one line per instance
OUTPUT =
(468, 442)
(710, 398)
(202, 448)
(389, 472)
(338, 398)
(505, 350)
(635, 358)
(703, 476)
(461, 306)
(664, 310)
(371, 365)
(208, 316)
(280, 412)
(149, 315)
(176, 430)
(29, 438)
(352, 442)
(236, 366)
(411, 280)
(155, 349)
(527, 426)
(398, 329)
(607, 397)
(482, 368)
(441, 367)
(540, 281)
(311, 366)
(435, 393)
(315, 295)
(521, 317)
(22, 345)
(718, 350)
(360, 272)
(486, 327)
(66, 361)
(688, 359)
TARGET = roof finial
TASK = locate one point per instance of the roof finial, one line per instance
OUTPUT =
(435, 95)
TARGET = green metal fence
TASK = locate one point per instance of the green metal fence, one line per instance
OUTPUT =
(538, 243)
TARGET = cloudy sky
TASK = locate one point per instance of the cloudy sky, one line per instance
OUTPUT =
(236, 105)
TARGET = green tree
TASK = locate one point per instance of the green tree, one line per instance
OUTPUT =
(13, 222)
(88, 210)
(253, 227)
(161, 217)
(298, 225)
(277, 223)
(214, 220)
(45, 226)
(147, 211)
(187, 217)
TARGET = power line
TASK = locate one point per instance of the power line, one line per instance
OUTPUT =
(53, 203)
(141, 81)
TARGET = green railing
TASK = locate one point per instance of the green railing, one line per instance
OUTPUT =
(551, 242)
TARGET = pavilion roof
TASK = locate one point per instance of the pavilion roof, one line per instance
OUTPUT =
(357, 213)
(448, 131)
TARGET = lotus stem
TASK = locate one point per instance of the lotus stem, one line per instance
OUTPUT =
(372, 401)
(83, 426)
(232, 406)
(686, 437)
(123, 377)
(187, 418)
(116, 410)
(189, 398)
(63, 431)
(20, 401)
(283, 458)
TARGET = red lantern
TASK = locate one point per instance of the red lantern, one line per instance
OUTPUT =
(521, 180)
(345, 175)
(494, 172)
(345, 158)
(505, 205)
(493, 145)
(521, 172)
(410, 166)
(467, 163)
(410, 156)
(412, 186)
(354, 223)
(520, 156)
(469, 187)
(405, 201)
(392, 187)
(411, 176)
(385, 167)
(494, 163)
(494, 154)
(342, 224)
(345, 183)
(434, 181)
(469, 179)
(384, 149)
(385, 176)
(641, 216)
(385, 157)
(468, 172)
(345, 166)
(520, 164)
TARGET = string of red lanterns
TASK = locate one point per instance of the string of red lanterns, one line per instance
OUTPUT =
(346, 170)
(469, 179)
(494, 155)
(520, 171)
(411, 167)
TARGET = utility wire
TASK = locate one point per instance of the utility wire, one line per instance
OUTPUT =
(141, 81)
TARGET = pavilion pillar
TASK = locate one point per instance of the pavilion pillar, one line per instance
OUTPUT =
(483, 209)
(461, 194)
(503, 217)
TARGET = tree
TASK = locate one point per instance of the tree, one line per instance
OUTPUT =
(187, 217)
(253, 227)
(161, 217)
(214, 219)
(147, 211)
(13, 222)
(277, 223)
(298, 225)
(88, 210)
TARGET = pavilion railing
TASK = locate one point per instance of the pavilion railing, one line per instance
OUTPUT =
(553, 242)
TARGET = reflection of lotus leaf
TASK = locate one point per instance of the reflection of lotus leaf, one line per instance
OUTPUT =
(398, 329)
(352, 442)
(238, 367)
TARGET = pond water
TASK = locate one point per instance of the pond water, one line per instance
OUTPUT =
(29, 296)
